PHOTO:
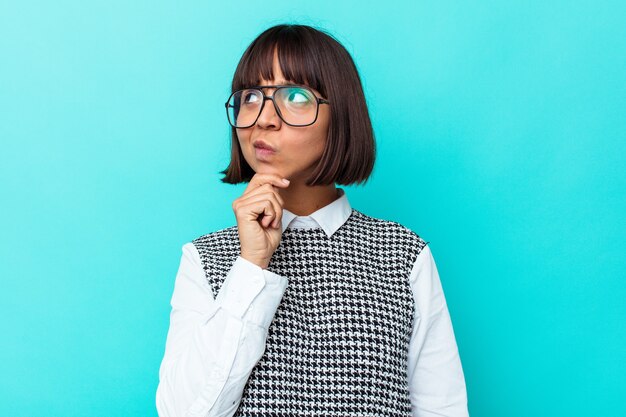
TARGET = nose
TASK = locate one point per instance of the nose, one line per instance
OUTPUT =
(268, 119)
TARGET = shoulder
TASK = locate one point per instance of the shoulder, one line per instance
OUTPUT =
(215, 248)
(390, 231)
(223, 236)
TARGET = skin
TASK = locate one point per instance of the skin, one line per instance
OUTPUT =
(297, 151)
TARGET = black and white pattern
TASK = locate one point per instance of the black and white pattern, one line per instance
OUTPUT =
(338, 343)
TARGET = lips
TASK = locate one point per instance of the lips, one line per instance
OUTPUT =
(259, 144)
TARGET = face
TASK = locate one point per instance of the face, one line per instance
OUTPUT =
(296, 149)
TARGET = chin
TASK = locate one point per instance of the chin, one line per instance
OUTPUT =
(267, 170)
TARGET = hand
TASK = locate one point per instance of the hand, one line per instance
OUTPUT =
(259, 212)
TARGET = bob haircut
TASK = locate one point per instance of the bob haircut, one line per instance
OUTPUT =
(312, 57)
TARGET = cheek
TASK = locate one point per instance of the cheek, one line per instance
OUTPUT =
(321, 134)
(313, 144)
(242, 135)
(323, 117)
(243, 138)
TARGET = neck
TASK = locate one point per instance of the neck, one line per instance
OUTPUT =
(302, 200)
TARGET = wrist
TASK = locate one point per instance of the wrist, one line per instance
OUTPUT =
(262, 263)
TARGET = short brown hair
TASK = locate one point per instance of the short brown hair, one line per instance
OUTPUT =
(315, 58)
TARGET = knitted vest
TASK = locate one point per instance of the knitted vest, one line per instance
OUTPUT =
(338, 343)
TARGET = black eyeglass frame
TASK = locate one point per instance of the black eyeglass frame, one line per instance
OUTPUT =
(260, 88)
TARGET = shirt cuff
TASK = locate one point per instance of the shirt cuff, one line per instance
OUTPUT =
(252, 293)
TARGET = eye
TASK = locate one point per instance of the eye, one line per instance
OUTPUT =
(299, 96)
(250, 96)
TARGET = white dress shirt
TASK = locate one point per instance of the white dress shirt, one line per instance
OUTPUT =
(213, 344)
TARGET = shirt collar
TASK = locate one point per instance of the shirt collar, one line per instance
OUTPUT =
(330, 217)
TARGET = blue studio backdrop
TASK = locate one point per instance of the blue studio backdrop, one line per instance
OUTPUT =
(501, 140)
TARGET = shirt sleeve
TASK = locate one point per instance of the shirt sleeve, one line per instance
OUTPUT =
(212, 343)
(435, 375)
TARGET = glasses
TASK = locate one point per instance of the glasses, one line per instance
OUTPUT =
(296, 105)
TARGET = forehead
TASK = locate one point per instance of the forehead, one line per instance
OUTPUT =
(278, 76)
(275, 77)
(279, 65)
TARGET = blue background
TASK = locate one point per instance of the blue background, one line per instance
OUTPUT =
(501, 135)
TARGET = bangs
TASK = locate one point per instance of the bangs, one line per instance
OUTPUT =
(297, 58)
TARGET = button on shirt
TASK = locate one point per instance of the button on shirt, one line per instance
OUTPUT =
(213, 344)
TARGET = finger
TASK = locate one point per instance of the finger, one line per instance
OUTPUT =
(261, 211)
(264, 194)
(254, 199)
(262, 190)
(265, 178)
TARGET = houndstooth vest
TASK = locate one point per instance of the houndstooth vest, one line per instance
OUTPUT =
(338, 343)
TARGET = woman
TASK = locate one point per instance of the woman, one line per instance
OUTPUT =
(306, 307)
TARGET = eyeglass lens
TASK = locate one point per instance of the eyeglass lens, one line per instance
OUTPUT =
(296, 105)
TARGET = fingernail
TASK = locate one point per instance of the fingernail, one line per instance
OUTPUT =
(285, 180)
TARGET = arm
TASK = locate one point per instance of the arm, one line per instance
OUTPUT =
(212, 343)
(436, 380)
